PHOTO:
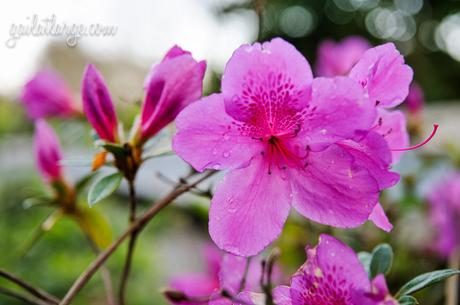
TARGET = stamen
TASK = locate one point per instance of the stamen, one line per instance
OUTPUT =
(435, 128)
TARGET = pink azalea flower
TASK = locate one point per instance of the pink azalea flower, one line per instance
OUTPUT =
(171, 85)
(47, 152)
(47, 95)
(288, 140)
(415, 100)
(333, 275)
(224, 272)
(98, 105)
(444, 202)
(337, 58)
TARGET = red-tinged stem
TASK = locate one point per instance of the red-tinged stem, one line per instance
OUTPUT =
(435, 128)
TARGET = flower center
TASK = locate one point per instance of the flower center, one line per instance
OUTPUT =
(280, 155)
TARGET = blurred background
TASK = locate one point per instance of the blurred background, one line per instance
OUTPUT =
(426, 32)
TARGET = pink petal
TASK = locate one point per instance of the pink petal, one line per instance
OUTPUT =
(380, 219)
(331, 275)
(172, 85)
(282, 295)
(249, 209)
(98, 105)
(47, 95)
(336, 111)
(47, 151)
(264, 84)
(333, 189)
(208, 138)
(392, 127)
(232, 271)
(372, 152)
(384, 75)
(194, 285)
(415, 100)
(337, 58)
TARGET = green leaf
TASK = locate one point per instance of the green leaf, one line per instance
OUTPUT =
(116, 149)
(80, 184)
(382, 258)
(95, 226)
(104, 188)
(407, 300)
(426, 280)
(365, 259)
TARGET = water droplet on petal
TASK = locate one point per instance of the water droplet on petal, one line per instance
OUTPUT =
(216, 166)
(226, 154)
(214, 151)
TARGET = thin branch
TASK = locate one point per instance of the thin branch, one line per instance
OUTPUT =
(131, 245)
(22, 297)
(37, 292)
(138, 225)
(452, 283)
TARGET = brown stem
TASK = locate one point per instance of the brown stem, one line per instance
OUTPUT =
(22, 297)
(37, 292)
(131, 245)
(245, 275)
(138, 225)
(452, 282)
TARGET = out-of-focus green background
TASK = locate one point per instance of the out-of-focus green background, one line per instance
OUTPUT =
(426, 32)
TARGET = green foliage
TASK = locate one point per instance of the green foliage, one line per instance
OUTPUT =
(381, 260)
(426, 280)
(104, 187)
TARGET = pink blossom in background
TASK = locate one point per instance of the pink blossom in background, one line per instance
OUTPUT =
(289, 141)
(98, 106)
(337, 58)
(47, 152)
(415, 100)
(333, 275)
(171, 85)
(444, 203)
(48, 95)
(224, 272)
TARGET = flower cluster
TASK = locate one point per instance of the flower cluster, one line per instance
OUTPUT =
(319, 145)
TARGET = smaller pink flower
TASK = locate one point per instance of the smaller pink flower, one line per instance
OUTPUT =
(333, 275)
(47, 152)
(47, 95)
(337, 58)
(98, 105)
(415, 100)
(171, 85)
(224, 272)
(444, 200)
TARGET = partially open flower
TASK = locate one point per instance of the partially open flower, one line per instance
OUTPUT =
(47, 95)
(98, 105)
(47, 152)
(171, 85)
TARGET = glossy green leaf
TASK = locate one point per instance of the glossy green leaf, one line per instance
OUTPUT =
(116, 149)
(426, 280)
(382, 258)
(104, 188)
(365, 259)
(407, 300)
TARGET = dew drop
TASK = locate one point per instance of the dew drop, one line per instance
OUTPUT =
(214, 151)
(216, 166)
(226, 154)
(226, 137)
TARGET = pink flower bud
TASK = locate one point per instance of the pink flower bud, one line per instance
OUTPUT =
(171, 85)
(415, 100)
(47, 152)
(47, 95)
(98, 105)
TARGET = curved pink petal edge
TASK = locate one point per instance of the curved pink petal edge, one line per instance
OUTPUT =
(97, 104)
(171, 85)
(380, 219)
(392, 126)
(382, 72)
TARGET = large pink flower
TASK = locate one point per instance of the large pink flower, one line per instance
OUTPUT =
(47, 152)
(48, 95)
(337, 58)
(288, 140)
(444, 202)
(333, 275)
